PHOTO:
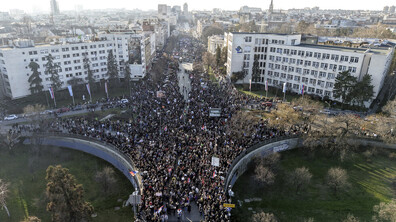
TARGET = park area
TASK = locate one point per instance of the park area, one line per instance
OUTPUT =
(370, 179)
(25, 170)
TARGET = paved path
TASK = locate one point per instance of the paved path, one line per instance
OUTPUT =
(185, 88)
(184, 79)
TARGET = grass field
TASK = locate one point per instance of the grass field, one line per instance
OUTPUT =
(371, 182)
(27, 178)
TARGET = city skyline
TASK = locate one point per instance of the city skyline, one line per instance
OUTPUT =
(44, 5)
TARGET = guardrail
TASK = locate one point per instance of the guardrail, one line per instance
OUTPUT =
(108, 151)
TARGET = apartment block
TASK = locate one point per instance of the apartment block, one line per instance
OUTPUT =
(283, 59)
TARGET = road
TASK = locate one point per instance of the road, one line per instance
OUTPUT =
(185, 88)
(184, 79)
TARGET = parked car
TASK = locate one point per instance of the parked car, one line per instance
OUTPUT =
(123, 101)
(63, 110)
(11, 117)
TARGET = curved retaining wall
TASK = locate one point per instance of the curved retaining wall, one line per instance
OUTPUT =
(97, 148)
(239, 165)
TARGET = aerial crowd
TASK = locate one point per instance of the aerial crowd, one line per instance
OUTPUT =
(172, 140)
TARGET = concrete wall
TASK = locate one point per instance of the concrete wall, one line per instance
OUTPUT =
(241, 164)
(98, 149)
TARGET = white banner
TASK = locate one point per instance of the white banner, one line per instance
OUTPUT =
(70, 90)
(215, 161)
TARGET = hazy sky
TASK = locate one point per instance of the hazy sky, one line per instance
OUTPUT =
(44, 5)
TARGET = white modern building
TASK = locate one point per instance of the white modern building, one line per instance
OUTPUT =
(283, 59)
(134, 49)
(214, 42)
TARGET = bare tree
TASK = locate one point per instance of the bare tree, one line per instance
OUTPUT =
(4, 195)
(337, 179)
(385, 211)
(271, 161)
(11, 139)
(351, 218)
(106, 178)
(264, 217)
(264, 175)
(299, 178)
(284, 117)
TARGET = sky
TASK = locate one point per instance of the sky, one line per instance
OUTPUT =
(44, 5)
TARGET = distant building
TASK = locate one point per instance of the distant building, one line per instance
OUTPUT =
(162, 9)
(283, 59)
(214, 42)
(54, 7)
(386, 9)
(392, 9)
(185, 9)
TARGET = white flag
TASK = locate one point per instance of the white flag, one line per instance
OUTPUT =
(284, 87)
(70, 90)
(89, 90)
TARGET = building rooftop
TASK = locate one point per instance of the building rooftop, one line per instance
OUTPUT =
(376, 50)
(261, 33)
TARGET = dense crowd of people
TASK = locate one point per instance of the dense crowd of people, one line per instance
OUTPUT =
(172, 141)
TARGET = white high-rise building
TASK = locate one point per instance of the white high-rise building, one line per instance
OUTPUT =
(283, 59)
(185, 9)
(54, 7)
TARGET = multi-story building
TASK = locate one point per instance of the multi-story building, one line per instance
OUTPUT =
(283, 59)
(129, 48)
(54, 7)
(15, 71)
(214, 42)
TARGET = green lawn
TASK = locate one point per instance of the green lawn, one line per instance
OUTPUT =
(27, 196)
(371, 182)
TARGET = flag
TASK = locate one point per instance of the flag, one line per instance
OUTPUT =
(133, 173)
(302, 89)
(70, 90)
(214, 174)
(89, 90)
(284, 88)
(166, 128)
(106, 87)
(188, 180)
(250, 84)
(266, 85)
(159, 209)
(51, 91)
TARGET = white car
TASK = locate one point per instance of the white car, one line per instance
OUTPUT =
(11, 117)
(123, 101)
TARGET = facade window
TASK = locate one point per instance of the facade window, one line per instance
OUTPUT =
(319, 91)
(290, 77)
(312, 81)
(297, 78)
(248, 39)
